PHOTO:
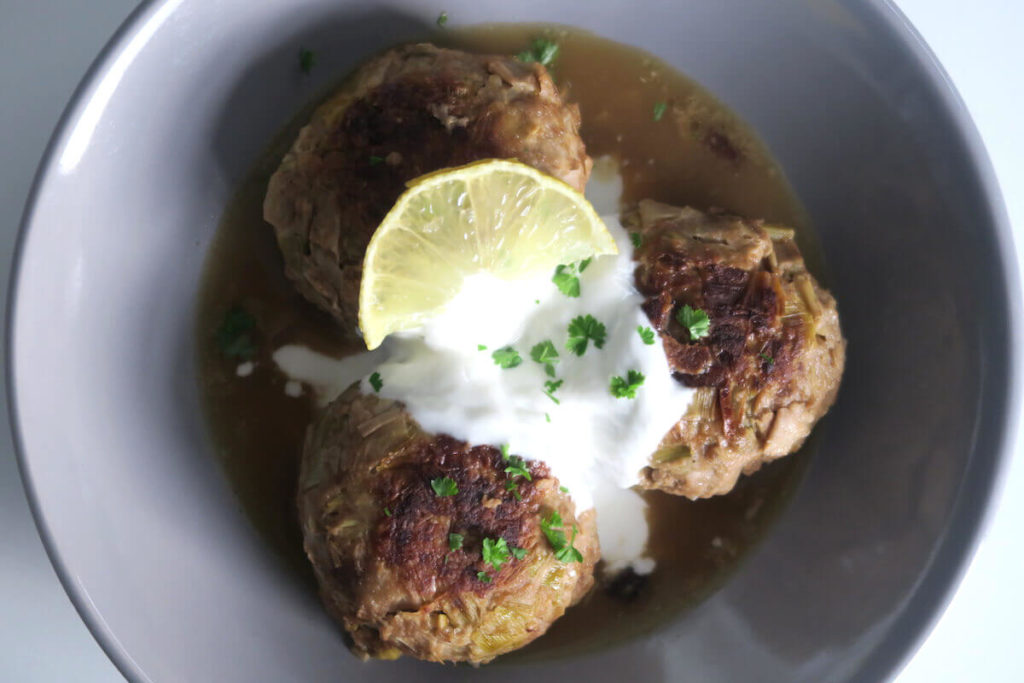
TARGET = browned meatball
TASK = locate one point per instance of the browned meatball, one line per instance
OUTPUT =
(380, 537)
(413, 110)
(773, 357)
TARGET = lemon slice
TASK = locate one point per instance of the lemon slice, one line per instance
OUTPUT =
(498, 217)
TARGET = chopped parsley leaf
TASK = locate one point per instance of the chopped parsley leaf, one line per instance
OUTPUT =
(646, 334)
(495, 552)
(517, 468)
(442, 19)
(695, 321)
(519, 553)
(626, 388)
(444, 486)
(512, 486)
(481, 347)
(546, 354)
(659, 110)
(550, 387)
(504, 451)
(564, 550)
(507, 358)
(583, 329)
(376, 160)
(455, 541)
(547, 417)
(482, 576)
(387, 512)
(307, 60)
(234, 336)
(376, 382)
(541, 50)
(584, 263)
(568, 553)
(637, 239)
(551, 527)
(768, 359)
(566, 280)
(563, 489)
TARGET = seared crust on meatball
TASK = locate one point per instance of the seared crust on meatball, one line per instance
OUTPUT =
(413, 110)
(379, 537)
(771, 363)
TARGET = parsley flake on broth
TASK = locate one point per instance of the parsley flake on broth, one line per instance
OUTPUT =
(542, 51)
(307, 60)
(235, 337)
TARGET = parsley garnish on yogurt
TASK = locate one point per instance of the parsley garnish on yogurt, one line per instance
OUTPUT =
(625, 387)
(507, 358)
(583, 329)
(546, 354)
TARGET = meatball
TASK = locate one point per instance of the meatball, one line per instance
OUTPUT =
(402, 565)
(768, 366)
(413, 110)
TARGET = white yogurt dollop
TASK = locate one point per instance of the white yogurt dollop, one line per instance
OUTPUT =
(594, 442)
(587, 436)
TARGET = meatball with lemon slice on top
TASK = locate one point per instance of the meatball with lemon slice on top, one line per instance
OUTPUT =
(743, 322)
(411, 111)
(424, 544)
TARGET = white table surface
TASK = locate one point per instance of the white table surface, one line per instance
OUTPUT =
(45, 48)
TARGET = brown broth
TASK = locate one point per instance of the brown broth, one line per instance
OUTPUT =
(699, 154)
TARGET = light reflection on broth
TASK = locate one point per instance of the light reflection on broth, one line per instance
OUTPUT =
(698, 153)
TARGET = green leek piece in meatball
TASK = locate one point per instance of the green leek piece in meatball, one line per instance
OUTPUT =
(413, 110)
(744, 323)
(426, 546)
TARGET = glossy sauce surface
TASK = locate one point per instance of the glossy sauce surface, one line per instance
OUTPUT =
(697, 153)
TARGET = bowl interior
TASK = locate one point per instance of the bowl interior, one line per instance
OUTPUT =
(145, 531)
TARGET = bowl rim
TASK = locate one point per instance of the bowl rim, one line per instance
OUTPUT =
(969, 520)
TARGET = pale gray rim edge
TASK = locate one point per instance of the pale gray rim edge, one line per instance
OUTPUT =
(100, 65)
(985, 475)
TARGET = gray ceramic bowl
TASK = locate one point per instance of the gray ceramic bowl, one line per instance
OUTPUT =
(140, 521)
